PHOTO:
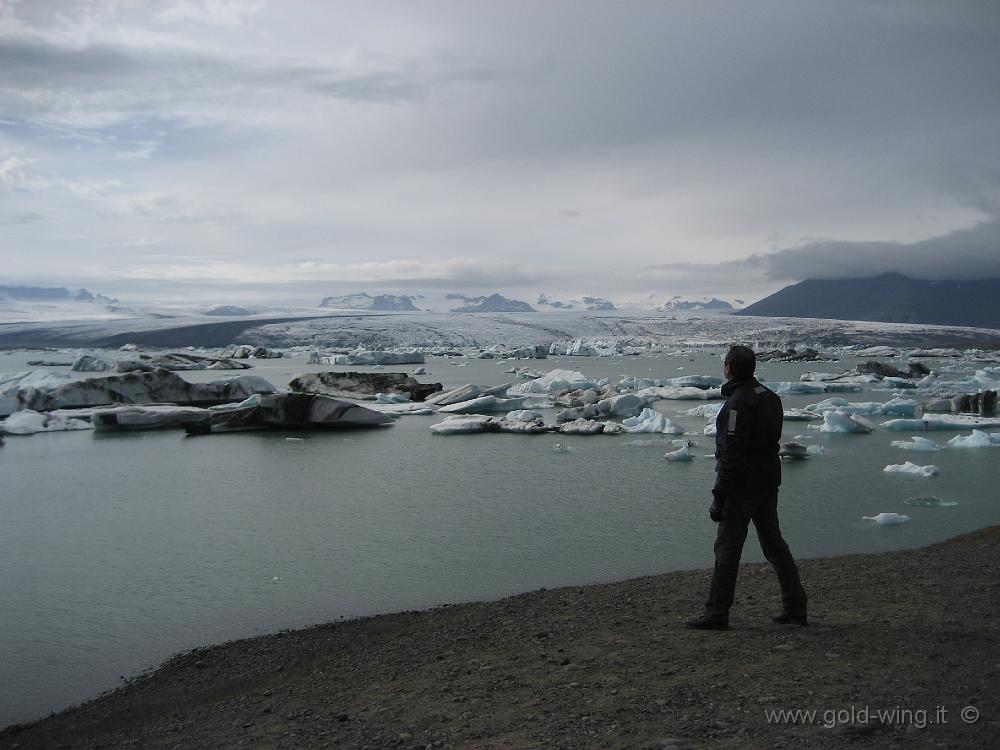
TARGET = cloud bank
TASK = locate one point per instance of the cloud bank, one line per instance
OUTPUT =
(667, 148)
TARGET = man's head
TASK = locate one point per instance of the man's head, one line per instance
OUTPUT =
(740, 363)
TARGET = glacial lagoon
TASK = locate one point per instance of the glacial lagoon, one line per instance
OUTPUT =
(119, 549)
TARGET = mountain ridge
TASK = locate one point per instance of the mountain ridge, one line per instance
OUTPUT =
(890, 297)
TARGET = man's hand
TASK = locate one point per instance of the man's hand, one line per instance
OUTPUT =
(715, 512)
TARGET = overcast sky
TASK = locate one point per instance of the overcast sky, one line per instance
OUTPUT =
(237, 149)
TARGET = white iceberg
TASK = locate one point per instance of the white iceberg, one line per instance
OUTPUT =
(941, 422)
(978, 439)
(483, 405)
(930, 470)
(916, 443)
(651, 420)
(704, 410)
(842, 422)
(524, 415)
(897, 407)
(806, 388)
(91, 363)
(680, 393)
(887, 519)
(28, 422)
(390, 398)
(556, 380)
(455, 395)
(463, 424)
(683, 453)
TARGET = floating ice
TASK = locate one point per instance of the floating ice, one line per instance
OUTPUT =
(147, 417)
(560, 448)
(840, 421)
(483, 404)
(681, 454)
(806, 389)
(524, 415)
(91, 363)
(941, 422)
(365, 357)
(930, 470)
(814, 450)
(978, 439)
(916, 443)
(28, 422)
(800, 415)
(460, 424)
(455, 395)
(681, 393)
(887, 519)
(705, 410)
(651, 420)
(396, 410)
(929, 501)
(793, 450)
(898, 407)
(390, 398)
(556, 380)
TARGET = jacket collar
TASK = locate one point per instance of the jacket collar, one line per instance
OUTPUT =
(729, 387)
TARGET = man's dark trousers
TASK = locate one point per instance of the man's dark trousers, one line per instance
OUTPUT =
(738, 511)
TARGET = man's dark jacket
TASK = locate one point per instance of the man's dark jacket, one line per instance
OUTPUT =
(747, 439)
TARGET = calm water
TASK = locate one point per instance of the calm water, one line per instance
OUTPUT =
(119, 550)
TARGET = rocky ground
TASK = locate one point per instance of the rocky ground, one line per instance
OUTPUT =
(599, 666)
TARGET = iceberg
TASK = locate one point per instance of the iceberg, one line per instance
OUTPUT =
(941, 422)
(842, 422)
(930, 501)
(483, 404)
(705, 410)
(627, 405)
(397, 410)
(159, 386)
(582, 427)
(464, 424)
(364, 385)
(28, 422)
(300, 411)
(148, 417)
(793, 450)
(898, 407)
(887, 519)
(680, 393)
(916, 444)
(524, 415)
(91, 363)
(978, 439)
(651, 420)
(366, 357)
(911, 468)
(556, 380)
(465, 392)
(808, 389)
(800, 415)
(391, 398)
(683, 453)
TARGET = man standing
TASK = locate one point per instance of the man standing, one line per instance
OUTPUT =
(748, 472)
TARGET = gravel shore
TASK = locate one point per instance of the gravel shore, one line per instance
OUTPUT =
(912, 634)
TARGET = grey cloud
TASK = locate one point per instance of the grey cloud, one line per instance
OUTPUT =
(961, 254)
(114, 81)
(957, 255)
